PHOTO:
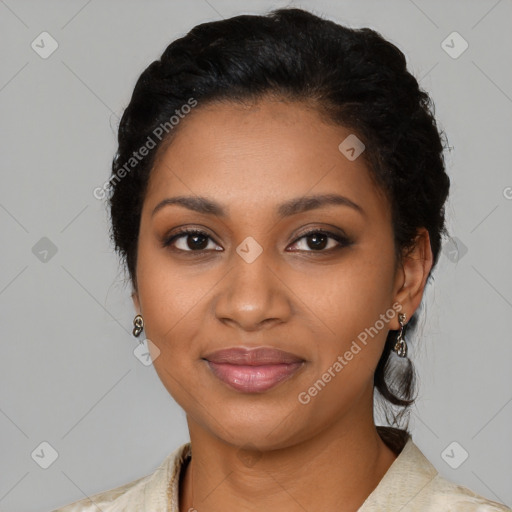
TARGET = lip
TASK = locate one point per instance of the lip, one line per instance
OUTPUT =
(253, 370)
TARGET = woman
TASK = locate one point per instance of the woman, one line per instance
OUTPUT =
(278, 200)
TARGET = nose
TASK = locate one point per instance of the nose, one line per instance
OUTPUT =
(253, 296)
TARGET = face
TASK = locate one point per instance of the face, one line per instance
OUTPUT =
(267, 268)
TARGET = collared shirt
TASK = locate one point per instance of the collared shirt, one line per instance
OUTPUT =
(411, 484)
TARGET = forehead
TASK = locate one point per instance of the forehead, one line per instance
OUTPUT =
(259, 153)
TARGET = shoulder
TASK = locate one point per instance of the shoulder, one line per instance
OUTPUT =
(112, 499)
(149, 492)
(413, 484)
(443, 494)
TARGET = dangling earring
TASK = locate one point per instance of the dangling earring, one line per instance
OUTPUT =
(138, 325)
(401, 346)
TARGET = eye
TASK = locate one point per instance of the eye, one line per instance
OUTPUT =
(195, 240)
(318, 240)
(192, 240)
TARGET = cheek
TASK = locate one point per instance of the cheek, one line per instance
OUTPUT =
(351, 296)
(173, 310)
(169, 297)
(353, 302)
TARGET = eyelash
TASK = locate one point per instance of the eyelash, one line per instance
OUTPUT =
(342, 240)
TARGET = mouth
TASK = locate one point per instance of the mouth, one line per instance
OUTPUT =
(253, 370)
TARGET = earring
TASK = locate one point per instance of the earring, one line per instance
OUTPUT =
(401, 346)
(138, 325)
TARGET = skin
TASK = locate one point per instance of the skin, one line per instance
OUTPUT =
(252, 451)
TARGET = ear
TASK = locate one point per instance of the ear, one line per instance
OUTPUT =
(136, 303)
(412, 275)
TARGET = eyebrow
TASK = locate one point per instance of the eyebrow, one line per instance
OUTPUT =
(294, 206)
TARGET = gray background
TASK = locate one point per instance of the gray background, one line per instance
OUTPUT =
(68, 374)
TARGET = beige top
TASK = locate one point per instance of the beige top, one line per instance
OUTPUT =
(411, 484)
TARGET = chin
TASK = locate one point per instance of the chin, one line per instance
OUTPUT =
(265, 427)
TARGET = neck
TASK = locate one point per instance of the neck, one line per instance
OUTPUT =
(335, 470)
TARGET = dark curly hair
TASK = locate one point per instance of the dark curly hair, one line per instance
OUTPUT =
(353, 77)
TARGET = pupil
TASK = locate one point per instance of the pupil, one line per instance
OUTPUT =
(196, 245)
(316, 244)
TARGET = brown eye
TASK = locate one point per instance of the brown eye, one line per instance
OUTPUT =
(191, 240)
(321, 241)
